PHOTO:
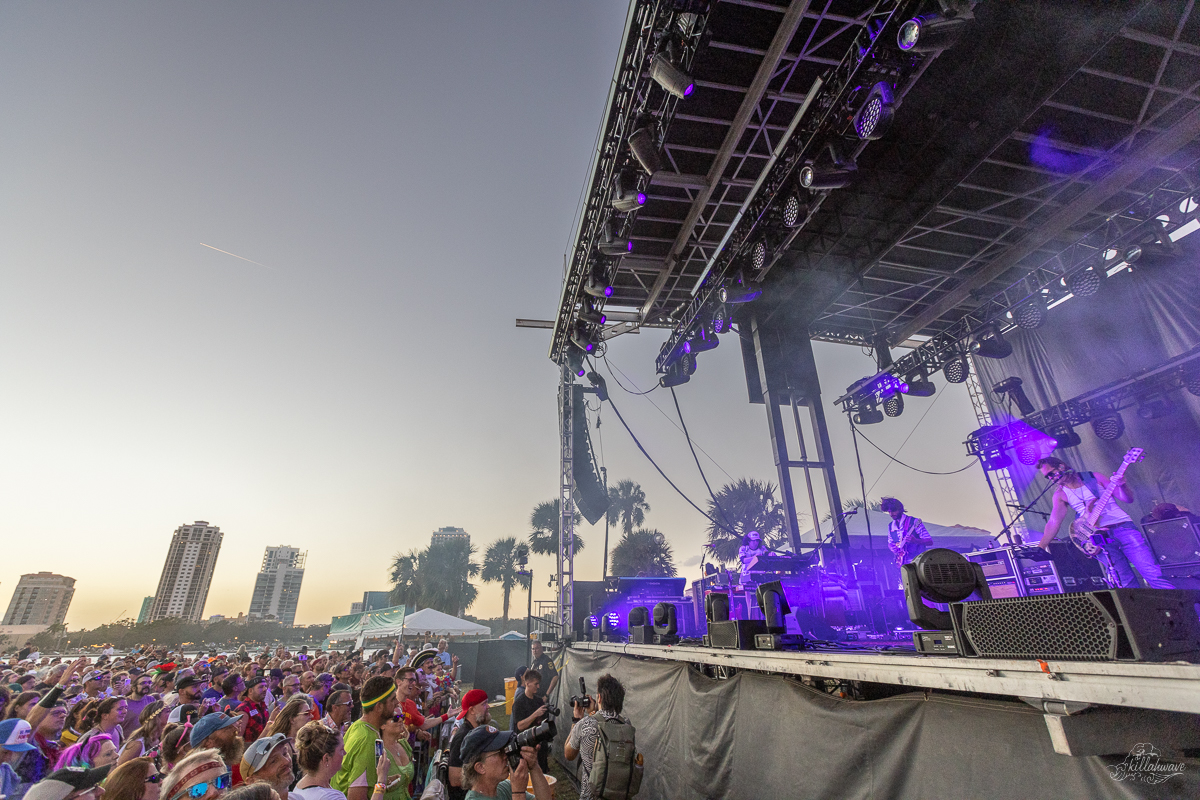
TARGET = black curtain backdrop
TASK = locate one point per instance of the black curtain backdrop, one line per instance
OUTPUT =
(1137, 320)
(757, 736)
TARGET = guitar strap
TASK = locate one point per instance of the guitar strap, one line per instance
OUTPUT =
(1089, 480)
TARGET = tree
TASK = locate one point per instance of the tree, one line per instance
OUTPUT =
(501, 563)
(445, 570)
(406, 582)
(852, 503)
(740, 507)
(544, 521)
(643, 553)
(627, 505)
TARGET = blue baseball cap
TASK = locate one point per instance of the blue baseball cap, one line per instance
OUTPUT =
(15, 735)
(210, 724)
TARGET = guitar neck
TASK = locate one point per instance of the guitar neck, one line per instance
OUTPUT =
(1106, 496)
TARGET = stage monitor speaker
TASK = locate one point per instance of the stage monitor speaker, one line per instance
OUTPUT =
(1110, 625)
(641, 634)
(1174, 541)
(590, 497)
(735, 634)
(589, 600)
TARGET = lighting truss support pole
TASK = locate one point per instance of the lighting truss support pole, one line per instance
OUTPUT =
(566, 501)
(984, 417)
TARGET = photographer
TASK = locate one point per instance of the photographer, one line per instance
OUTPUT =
(604, 710)
(529, 709)
(486, 771)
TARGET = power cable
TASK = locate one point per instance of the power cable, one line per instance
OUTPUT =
(627, 390)
(687, 436)
(910, 466)
(906, 438)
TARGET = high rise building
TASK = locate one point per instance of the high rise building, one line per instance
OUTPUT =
(449, 535)
(41, 598)
(277, 587)
(373, 601)
(187, 573)
(144, 614)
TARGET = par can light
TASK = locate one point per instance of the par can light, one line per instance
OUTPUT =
(874, 116)
(820, 179)
(670, 77)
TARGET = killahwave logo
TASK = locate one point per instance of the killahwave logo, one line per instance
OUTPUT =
(1145, 764)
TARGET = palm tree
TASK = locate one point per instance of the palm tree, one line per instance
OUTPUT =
(855, 502)
(748, 505)
(627, 505)
(502, 563)
(643, 553)
(445, 570)
(544, 521)
(406, 581)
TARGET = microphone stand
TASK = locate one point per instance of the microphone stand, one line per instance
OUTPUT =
(1005, 532)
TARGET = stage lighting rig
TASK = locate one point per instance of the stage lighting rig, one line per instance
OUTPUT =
(575, 358)
(626, 196)
(1013, 389)
(989, 343)
(893, 405)
(1065, 435)
(867, 414)
(739, 291)
(589, 313)
(956, 370)
(678, 373)
(1110, 427)
(670, 77)
(703, 339)
(819, 179)
(1084, 283)
(1031, 314)
(874, 116)
(719, 320)
(598, 287)
(919, 384)
(583, 339)
(643, 143)
(612, 245)
(929, 33)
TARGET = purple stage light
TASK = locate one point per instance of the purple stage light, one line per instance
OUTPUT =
(629, 247)
(903, 387)
(581, 372)
(641, 198)
(614, 619)
(688, 90)
(594, 621)
(687, 347)
(608, 291)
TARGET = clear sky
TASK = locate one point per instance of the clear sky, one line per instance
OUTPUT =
(405, 175)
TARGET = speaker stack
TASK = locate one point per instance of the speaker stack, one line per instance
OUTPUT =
(1176, 547)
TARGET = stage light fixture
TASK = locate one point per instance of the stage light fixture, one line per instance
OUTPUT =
(740, 292)
(716, 607)
(1084, 283)
(1028, 453)
(929, 33)
(758, 255)
(597, 285)
(616, 246)
(1065, 436)
(794, 210)
(575, 358)
(819, 179)
(867, 414)
(1156, 407)
(956, 370)
(589, 314)
(645, 149)
(1110, 427)
(666, 623)
(1192, 384)
(720, 319)
(703, 339)
(874, 116)
(940, 575)
(583, 339)
(1132, 254)
(995, 459)
(1015, 391)
(919, 385)
(773, 604)
(1031, 314)
(675, 375)
(991, 344)
(625, 195)
(671, 77)
(893, 405)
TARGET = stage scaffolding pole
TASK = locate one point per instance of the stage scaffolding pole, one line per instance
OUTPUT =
(566, 501)
(1007, 490)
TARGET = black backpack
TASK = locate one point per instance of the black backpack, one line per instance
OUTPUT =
(616, 766)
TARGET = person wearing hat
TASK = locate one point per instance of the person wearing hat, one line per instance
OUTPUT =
(91, 684)
(69, 784)
(253, 708)
(14, 744)
(200, 775)
(269, 760)
(473, 714)
(361, 775)
(190, 689)
(485, 769)
(219, 732)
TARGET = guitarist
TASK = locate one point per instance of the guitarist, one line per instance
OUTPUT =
(1124, 545)
(907, 535)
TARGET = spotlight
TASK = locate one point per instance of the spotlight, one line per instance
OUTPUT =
(940, 575)
(1192, 384)
(740, 292)
(703, 339)
(1084, 283)
(645, 149)
(597, 380)
(995, 459)
(956, 370)
(773, 604)
(1030, 315)
(720, 319)
(640, 629)
(598, 287)
(591, 315)
(758, 255)
(583, 340)
(665, 623)
(676, 374)
(671, 77)
(928, 33)
(867, 414)
(1065, 436)
(874, 116)
(1156, 407)
(1012, 387)
(819, 179)
(678, 352)
(1109, 428)
(794, 211)
(612, 246)
(990, 344)
(919, 385)
(575, 360)
(893, 406)
(1028, 453)
(1132, 254)
(627, 199)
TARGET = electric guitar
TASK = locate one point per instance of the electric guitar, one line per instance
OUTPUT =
(905, 545)
(1084, 533)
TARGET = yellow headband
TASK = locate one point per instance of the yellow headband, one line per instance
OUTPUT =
(384, 696)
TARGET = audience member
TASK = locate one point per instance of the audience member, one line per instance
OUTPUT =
(139, 698)
(269, 761)
(486, 772)
(319, 751)
(138, 779)
(474, 713)
(200, 775)
(98, 751)
(145, 738)
(14, 744)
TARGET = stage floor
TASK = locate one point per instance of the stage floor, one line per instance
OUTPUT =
(1167, 687)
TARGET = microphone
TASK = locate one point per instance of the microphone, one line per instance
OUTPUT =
(712, 546)
(850, 513)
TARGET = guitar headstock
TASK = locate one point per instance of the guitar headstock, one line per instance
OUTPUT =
(1134, 455)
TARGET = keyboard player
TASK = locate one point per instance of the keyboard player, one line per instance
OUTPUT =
(748, 554)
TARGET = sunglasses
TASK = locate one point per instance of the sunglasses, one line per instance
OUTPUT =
(220, 783)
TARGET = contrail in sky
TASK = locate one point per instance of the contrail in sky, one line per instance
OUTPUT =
(235, 255)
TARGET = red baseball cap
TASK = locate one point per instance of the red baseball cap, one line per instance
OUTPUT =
(472, 698)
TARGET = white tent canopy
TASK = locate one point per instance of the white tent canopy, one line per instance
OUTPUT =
(434, 622)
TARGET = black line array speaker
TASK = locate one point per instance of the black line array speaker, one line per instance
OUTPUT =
(590, 497)
(735, 634)
(1109, 625)
(1174, 541)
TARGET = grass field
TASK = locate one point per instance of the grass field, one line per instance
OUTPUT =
(564, 789)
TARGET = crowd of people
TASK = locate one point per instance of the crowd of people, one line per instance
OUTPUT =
(265, 726)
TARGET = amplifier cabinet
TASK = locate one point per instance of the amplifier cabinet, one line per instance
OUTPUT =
(1173, 541)
(1110, 625)
(735, 634)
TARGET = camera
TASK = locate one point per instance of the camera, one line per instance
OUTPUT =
(582, 699)
(531, 737)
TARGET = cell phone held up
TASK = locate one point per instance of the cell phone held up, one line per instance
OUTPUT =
(378, 749)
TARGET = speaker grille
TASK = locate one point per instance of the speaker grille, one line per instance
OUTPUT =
(1065, 627)
(940, 573)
